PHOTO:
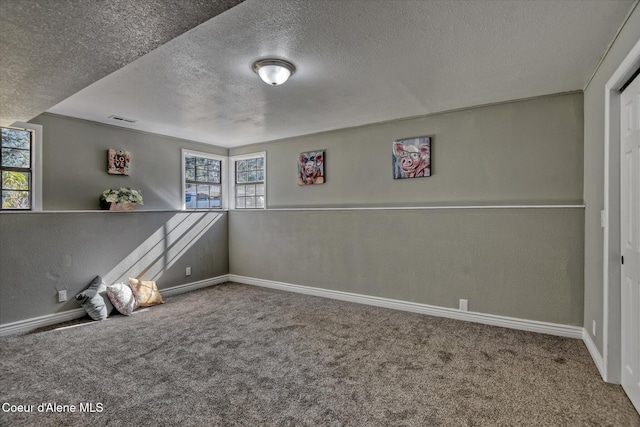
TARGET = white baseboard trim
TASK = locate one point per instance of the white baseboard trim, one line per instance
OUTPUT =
(180, 289)
(38, 322)
(595, 354)
(27, 325)
(487, 319)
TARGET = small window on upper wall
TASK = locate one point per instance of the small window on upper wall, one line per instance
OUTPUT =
(249, 181)
(17, 169)
(203, 182)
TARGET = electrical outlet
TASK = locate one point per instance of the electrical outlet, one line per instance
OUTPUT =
(62, 296)
(464, 305)
(603, 219)
(593, 328)
(187, 271)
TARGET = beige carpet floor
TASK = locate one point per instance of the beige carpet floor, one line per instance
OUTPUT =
(236, 355)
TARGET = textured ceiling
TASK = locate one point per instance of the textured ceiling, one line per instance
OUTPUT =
(50, 49)
(358, 62)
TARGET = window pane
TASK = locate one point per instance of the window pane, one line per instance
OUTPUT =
(213, 176)
(16, 138)
(215, 200)
(15, 173)
(250, 183)
(201, 175)
(215, 196)
(215, 191)
(15, 199)
(190, 195)
(202, 196)
(15, 180)
(16, 158)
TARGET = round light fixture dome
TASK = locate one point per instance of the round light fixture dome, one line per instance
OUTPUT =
(273, 72)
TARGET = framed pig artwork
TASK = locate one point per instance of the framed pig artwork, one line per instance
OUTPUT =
(412, 157)
(311, 168)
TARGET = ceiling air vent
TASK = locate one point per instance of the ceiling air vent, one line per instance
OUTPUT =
(122, 119)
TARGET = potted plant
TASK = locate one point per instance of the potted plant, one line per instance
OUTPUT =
(122, 199)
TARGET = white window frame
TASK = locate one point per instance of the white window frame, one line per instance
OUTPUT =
(232, 178)
(36, 165)
(223, 173)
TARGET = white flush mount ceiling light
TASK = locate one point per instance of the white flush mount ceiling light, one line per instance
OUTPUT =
(273, 72)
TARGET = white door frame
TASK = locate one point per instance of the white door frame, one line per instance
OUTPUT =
(611, 260)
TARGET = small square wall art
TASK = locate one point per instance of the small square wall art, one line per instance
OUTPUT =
(412, 157)
(118, 162)
(311, 168)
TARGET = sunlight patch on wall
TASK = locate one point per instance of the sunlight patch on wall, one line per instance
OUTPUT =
(164, 247)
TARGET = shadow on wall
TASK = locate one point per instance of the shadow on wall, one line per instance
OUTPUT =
(164, 247)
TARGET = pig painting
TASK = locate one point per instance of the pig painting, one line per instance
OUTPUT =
(412, 157)
(311, 168)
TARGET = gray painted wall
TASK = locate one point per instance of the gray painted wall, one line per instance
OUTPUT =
(519, 152)
(524, 263)
(75, 164)
(42, 253)
(520, 263)
(594, 176)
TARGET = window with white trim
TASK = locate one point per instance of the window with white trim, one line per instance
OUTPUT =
(20, 167)
(249, 181)
(203, 177)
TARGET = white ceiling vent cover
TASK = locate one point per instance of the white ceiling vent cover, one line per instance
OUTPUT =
(123, 119)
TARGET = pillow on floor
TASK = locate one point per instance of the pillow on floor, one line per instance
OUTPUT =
(122, 297)
(95, 301)
(146, 292)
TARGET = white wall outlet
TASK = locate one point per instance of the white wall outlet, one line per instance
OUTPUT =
(62, 296)
(464, 305)
(593, 328)
(187, 271)
(602, 219)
